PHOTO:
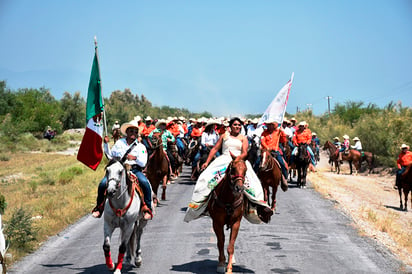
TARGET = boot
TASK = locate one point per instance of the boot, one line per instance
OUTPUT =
(147, 213)
(284, 184)
(340, 158)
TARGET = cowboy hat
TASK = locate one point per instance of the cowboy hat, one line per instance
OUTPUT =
(293, 119)
(345, 136)
(125, 126)
(404, 146)
(212, 122)
(137, 118)
(255, 121)
(271, 121)
(303, 123)
(314, 134)
(356, 139)
(148, 118)
(181, 118)
(160, 121)
(336, 138)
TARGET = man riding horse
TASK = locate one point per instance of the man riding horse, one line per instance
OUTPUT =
(270, 140)
(404, 159)
(133, 153)
(303, 135)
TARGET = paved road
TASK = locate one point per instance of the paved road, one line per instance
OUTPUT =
(307, 235)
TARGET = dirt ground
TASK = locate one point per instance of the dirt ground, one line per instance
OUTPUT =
(371, 202)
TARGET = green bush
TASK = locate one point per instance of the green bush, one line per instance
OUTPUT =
(3, 204)
(19, 230)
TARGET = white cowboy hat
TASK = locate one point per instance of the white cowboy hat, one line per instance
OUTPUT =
(148, 118)
(314, 134)
(356, 139)
(181, 118)
(404, 146)
(336, 138)
(212, 122)
(345, 136)
(271, 121)
(255, 121)
(293, 119)
(125, 126)
(137, 118)
(160, 121)
(303, 123)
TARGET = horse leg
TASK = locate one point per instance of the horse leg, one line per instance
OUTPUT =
(274, 190)
(108, 231)
(400, 197)
(164, 186)
(231, 247)
(136, 239)
(405, 195)
(220, 235)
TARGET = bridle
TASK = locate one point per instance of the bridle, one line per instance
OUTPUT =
(231, 206)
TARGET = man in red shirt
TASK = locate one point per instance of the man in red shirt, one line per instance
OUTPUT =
(404, 159)
(303, 135)
(270, 140)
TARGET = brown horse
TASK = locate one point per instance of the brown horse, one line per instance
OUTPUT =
(353, 156)
(369, 158)
(406, 186)
(178, 166)
(116, 134)
(157, 169)
(270, 175)
(302, 161)
(226, 207)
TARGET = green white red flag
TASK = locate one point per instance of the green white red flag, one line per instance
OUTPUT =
(91, 151)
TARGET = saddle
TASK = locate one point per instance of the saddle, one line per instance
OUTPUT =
(138, 189)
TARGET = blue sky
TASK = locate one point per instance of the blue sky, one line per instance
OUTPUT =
(225, 57)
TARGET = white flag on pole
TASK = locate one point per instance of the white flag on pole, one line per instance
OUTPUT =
(276, 110)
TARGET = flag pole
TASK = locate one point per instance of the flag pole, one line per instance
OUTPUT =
(100, 79)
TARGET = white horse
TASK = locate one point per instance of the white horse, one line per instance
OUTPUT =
(122, 209)
(2, 250)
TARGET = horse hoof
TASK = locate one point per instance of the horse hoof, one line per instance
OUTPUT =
(138, 261)
(117, 271)
(221, 269)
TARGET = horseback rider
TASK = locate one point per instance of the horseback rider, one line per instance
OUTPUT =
(337, 143)
(344, 147)
(116, 125)
(135, 155)
(207, 141)
(149, 127)
(270, 140)
(166, 136)
(316, 140)
(358, 145)
(303, 135)
(404, 159)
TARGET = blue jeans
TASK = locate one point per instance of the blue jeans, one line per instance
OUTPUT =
(279, 157)
(143, 182)
(312, 156)
(180, 146)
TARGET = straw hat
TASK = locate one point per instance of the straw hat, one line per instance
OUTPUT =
(293, 119)
(271, 121)
(303, 123)
(181, 118)
(125, 126)
(404, 146)
(336, 138)
(345, 136)
(212, 122)
(356, 139)
(148, 118)
(160, 121)
(137, 118)
(313, 133)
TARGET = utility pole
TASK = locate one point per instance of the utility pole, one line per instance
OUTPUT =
(309, 107)
(328, 97)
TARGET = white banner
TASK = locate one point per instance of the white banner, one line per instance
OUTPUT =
(276, 110)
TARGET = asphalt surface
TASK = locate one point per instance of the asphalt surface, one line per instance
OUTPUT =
(306, 235)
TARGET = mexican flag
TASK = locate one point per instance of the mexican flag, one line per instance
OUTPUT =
(90, 151)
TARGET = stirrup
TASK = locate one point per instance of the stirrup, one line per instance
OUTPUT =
(147, 213)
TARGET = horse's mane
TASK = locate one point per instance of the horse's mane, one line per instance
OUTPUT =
(128, 181)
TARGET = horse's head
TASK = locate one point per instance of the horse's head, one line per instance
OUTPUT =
(303, 154)
(265, 154)
(116, 176)
(237, 171)
(156, 140)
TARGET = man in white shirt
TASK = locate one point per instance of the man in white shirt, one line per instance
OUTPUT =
(135, 155)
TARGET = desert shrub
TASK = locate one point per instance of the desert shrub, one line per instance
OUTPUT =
(3, 204)
(19, 230)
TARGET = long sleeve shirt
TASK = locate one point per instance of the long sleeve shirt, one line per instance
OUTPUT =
(165, 135)
(271, 141)
(302, 137)
(404, 159)
(120, 148)
(357, 146)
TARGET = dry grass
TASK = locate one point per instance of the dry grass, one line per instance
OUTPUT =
(44, 184)
(372, 203)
